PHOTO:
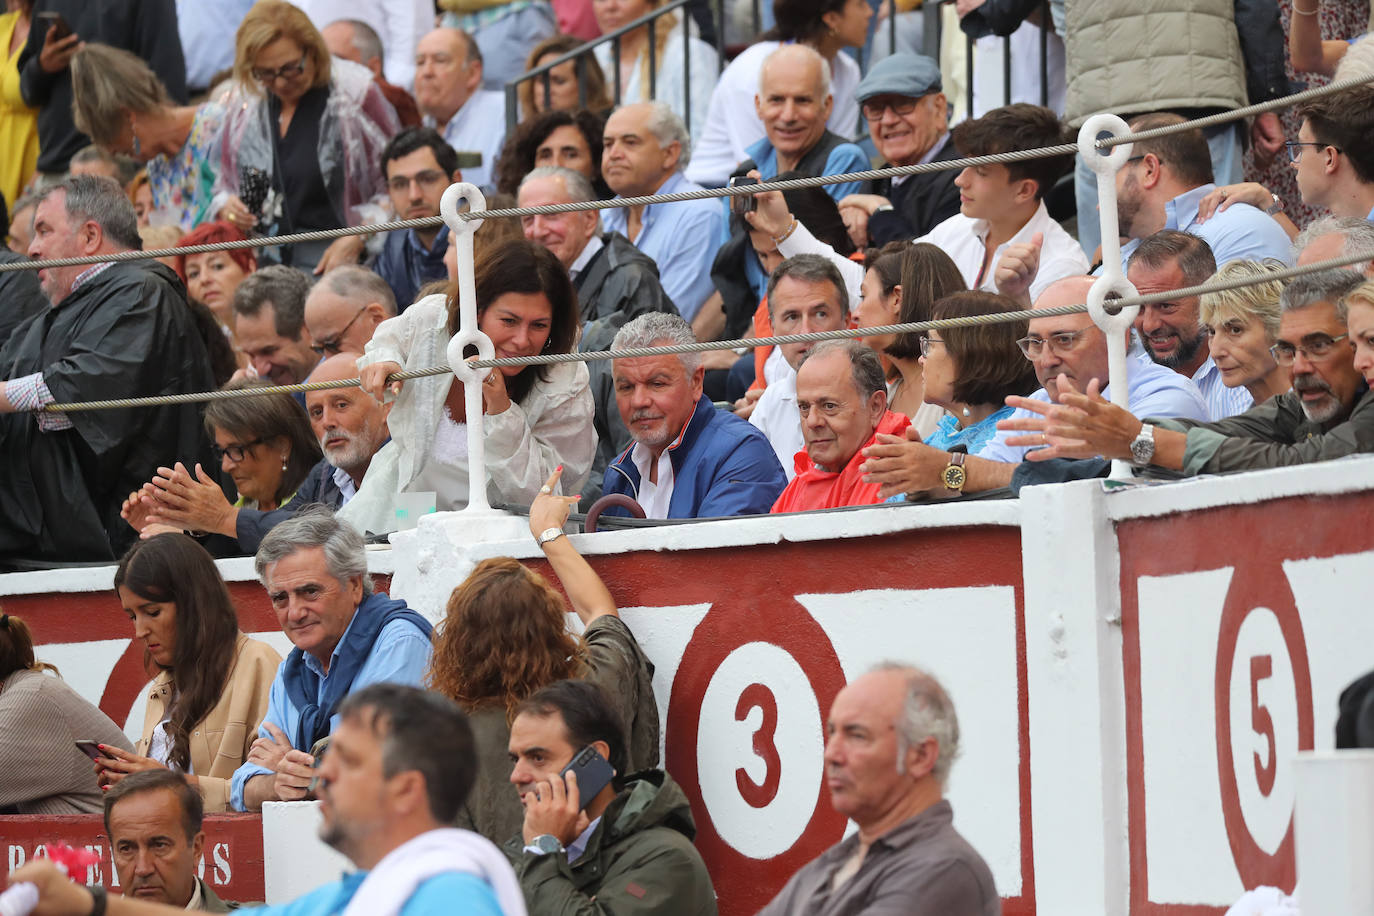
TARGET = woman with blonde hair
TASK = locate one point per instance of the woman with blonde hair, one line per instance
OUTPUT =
(1242, 324)
(506, 635)
(562, 91)
(302, 140)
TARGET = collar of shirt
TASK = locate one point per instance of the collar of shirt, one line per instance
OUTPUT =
(434, 252)
(654, 498)
(930, 155)
(1033, 225)
(578, 846)
(1181, 212)
(196, 898)
(616, 219)
(586, 256)
(345, 484)
(90, 273)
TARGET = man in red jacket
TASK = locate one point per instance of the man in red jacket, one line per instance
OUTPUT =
(842, 398)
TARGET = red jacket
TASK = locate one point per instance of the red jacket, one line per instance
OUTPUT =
(814, 488)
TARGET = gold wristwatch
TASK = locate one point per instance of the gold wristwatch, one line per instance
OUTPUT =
(955, 476)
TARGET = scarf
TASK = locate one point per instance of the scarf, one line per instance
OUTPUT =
(390, 885)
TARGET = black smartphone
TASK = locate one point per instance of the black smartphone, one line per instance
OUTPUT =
(744, 203)
(90, 748)
(593, 771)
(57, 25)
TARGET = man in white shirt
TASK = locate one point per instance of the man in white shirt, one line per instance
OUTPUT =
(1171, 333)
(805, 295)
(448, 81)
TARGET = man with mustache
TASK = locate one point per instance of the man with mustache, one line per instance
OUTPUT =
(1171, 333)
(1328, 414)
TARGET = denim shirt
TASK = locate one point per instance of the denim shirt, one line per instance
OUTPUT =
(406, 266)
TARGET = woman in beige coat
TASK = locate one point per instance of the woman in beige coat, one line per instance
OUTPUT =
(205, 704)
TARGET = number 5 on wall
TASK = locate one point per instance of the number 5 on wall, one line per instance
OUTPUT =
(1261, 668)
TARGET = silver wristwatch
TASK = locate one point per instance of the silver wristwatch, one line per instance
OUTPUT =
(546, 843)
(549, 534)
(1143, 446)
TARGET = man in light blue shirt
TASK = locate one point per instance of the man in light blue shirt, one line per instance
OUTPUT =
(448, 80)
(1160, 186)
(345, 636)
(645, 149)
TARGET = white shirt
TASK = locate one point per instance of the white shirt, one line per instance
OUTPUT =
(400, 24)
(480, 127)
(344, 481)
(654, 497)
(775, 414)
(733, 125)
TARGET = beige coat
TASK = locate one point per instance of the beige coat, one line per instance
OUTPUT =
(221, 741)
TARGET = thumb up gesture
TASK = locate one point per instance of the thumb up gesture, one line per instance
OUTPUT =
(1016, 269)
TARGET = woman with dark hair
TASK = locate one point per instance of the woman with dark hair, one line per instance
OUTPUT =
(506, 635)
(901, 283)
(562, 80)
(535, 418)
(265, 445)
(41, 718)
(212, 687)
(571, 139)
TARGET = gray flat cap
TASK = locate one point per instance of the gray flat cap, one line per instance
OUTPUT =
(911, 75)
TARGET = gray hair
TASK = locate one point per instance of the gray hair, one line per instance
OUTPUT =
(668, 129)
(359, 286)
(102, 201)
(657, 329)
(1323, 286)
(863, 362)
(806, 51)
(365, 40)
(315, 526)
(809, 268)
(1357, 232)
(575, 183)
(927, 712)
(285, 287)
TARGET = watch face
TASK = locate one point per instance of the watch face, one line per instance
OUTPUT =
(954, 477)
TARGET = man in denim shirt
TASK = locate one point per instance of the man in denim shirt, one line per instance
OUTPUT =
(419, 166)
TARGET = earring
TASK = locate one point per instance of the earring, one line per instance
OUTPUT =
(283, 462)
(966, 413)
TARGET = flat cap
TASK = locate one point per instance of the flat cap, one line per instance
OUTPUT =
(904, 73)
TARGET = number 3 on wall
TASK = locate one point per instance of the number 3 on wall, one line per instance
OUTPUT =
(756, 794)
(1261, 667)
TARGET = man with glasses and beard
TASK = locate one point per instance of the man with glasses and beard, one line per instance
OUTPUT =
(1328, 414)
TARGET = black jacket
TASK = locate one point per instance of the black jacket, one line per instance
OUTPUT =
(919, 204)
(20, 295)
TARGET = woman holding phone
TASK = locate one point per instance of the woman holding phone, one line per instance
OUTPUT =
(211, 692)
(506, 635)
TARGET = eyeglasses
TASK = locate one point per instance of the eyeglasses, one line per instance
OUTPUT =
(1314, 349)
(285, 72)
(428, 180)
(334, 345)
(927, 343)
(1061, 342)
(1294, 148)
(236, 451)
(900, 105)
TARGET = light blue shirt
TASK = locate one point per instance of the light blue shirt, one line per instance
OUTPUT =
(1239, 231)
(452, 892)
(1154, 392)
(1222, 402)
(203, 26)
(399, 656)
(478, 127)
(682, 238)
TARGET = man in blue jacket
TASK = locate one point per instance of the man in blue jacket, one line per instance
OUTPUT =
(688, 460)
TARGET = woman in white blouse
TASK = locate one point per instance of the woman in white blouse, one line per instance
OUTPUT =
(535, 418)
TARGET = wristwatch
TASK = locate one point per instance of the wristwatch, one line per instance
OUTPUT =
(546, 843)
(955, 476)
(549, 534)
(1143, 446)
(1276, 207)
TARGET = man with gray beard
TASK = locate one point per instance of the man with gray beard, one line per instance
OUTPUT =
(1328, 414)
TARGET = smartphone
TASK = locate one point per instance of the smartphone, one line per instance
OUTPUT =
(57, 24)
(593, 771)
(745, 203)
(90, 748)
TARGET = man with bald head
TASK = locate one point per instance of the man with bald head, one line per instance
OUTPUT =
(1335, 237)
(1071, 346)
(448, 90)
(345, 307)
(891, 738)
(355, 40)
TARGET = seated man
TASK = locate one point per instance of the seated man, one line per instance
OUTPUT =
(688, 460)
(344, 309)
(805, 295)
(842, 397)
(903, 101)
(892, 737)
(449, 93)
(1160, 186)
(645, 148)
(21, 297)
(269, 324)
(153, 819)
(346, 636)
(418, 166)
(1171, 333)
(1332, 155)
(628, 848)
(1328, 414)
(115, 330)
(1068, 347)
(403, 761)
(1335, 237)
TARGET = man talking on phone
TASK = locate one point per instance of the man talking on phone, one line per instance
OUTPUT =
(591, 831)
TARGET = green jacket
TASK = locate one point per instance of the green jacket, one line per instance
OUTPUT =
(639, 860)
(210, 902)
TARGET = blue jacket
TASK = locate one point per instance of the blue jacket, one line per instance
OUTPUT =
(722, 465)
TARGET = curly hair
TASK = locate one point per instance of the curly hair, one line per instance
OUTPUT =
(504, 637)
(517, 157)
